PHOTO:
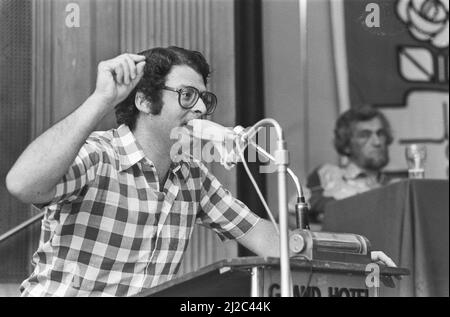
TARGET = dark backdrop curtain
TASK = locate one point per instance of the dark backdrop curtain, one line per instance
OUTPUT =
(15, 121)
(249, 93)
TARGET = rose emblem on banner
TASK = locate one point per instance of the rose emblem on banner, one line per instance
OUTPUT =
(427, 20)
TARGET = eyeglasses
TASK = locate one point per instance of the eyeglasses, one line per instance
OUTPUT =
(188, 97)
(365, 135)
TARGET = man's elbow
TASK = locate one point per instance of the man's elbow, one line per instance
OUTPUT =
(17, 187)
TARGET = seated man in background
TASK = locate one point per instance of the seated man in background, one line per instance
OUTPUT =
(362, 135)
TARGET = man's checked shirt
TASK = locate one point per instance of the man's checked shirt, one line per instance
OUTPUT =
(111, 231)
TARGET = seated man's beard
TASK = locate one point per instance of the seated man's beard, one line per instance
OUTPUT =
(376, 163)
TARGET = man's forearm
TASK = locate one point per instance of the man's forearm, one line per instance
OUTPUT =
(262, 239)
(44, 162)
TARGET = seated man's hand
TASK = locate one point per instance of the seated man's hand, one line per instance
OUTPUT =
(381, 258)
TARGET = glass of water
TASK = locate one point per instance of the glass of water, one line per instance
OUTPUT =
(416, 155)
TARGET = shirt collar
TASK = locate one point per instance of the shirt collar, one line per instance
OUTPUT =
(353, 171)
(130, 152)
(182, 167)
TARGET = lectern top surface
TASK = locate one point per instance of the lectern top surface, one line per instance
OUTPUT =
(237, 269)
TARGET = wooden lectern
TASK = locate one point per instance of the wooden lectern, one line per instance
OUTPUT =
(260, 277)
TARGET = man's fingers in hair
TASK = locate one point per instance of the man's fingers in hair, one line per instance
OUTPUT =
(126, 71)
(139, 72)
(131, 66)
(118, 70)
(136, 58)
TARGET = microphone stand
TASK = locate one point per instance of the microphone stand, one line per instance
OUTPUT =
(281, 161)
(301, 207)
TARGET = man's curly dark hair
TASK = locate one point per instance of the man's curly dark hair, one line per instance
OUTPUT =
(158, 63)
(344, 126)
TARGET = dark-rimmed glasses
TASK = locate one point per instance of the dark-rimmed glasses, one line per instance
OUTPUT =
(188, 97)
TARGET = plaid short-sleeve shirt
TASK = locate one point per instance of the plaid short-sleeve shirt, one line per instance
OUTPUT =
(111, 231)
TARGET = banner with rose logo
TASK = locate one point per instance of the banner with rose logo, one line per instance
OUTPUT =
(398, 59)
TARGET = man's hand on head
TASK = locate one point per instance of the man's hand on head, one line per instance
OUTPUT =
(117, 77)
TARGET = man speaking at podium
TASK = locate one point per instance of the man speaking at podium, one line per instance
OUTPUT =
(118, 211)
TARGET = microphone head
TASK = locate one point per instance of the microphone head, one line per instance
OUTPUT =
(222, 138)
(210, 131)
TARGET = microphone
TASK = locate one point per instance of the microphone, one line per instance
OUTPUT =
(211, 131)
(223, 139)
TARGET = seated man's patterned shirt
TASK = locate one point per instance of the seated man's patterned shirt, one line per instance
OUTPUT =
(330, 182)
(111, 231)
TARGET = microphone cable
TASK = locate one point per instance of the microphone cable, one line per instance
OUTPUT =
(255, 185)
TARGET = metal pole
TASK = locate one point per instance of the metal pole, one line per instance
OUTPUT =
(256, 287)
(303, 67)
(285, 270)
(282, 162)
(20, 227)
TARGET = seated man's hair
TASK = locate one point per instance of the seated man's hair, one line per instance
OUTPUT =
(158, 63)
(344, 126)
